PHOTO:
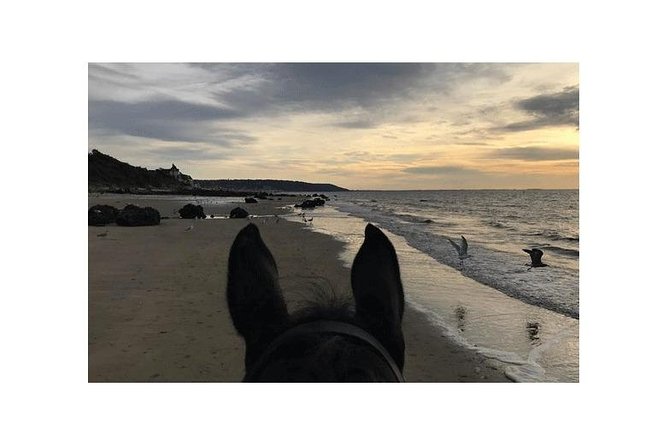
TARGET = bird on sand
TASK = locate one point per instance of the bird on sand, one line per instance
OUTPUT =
(535, 255)
(103, 234)
(461, 249)
(190, 228)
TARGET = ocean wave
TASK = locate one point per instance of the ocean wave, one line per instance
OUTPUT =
(411, 218)
(564, 251)
(552, 234)
(500, 225)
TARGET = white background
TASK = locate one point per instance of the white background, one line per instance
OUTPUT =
(45, 396)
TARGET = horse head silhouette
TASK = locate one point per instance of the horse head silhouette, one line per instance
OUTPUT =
(366, 344)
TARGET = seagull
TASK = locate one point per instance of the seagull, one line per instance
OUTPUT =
(462, 250)
(535, 255)
(190, 228)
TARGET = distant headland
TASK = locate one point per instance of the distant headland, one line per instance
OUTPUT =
(107, 174)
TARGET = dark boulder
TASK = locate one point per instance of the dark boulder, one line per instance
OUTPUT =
(306, 204)
(132, 215)
(192, 211)
(250, 200)
(238, 213)
(102, 214)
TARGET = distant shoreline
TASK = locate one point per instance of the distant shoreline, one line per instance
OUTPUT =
(185, 192)
(243, 193)
(107, 174)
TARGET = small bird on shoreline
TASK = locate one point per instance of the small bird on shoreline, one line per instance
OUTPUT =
(461, 249)
(103, 234)
(535, 255)
(190, 228)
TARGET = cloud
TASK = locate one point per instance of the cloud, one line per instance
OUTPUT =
(564, 103)
(173, 102)
(330, 87)
(171, 110)
(358, 83)
(115, 73)
(442, 170)
(165, 120)
(357, 124)
(533, 154)
(175, 154)
(548, 110)
(324, 86)
(381, 159)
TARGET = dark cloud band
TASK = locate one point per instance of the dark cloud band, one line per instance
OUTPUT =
(548, 110)
(533, 154)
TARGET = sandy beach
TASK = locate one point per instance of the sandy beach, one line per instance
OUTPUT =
(157, 308)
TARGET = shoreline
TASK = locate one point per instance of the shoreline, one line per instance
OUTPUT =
(157, 309)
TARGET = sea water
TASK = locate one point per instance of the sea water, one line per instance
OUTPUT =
(492, 302)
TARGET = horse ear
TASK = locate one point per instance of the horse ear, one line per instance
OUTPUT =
(378, 293)
(254, 297)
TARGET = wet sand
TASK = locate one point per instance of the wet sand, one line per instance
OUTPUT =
(157, 309)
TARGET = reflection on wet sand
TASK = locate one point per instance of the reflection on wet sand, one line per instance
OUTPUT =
(533, 332)
(460, 313)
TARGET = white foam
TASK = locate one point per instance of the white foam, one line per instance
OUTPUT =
(554, 288)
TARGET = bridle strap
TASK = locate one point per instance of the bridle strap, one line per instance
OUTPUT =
(320, 327)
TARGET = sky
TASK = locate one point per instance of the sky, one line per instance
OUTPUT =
(359, 126)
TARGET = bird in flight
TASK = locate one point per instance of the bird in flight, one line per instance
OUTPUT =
(461, 249)
(535, 255)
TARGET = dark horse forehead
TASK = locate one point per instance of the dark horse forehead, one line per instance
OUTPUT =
(325, 351)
